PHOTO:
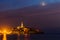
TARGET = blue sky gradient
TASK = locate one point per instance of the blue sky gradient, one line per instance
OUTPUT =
(16, 4)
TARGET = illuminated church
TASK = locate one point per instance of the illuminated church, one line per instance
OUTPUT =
(25, 30)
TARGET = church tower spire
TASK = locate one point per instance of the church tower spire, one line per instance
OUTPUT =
(22, 25)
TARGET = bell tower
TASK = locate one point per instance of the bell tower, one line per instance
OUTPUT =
(22, 25)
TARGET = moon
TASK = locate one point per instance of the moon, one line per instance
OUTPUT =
(43, 4)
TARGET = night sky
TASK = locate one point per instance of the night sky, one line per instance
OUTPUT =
(32, 13)
(16, 4)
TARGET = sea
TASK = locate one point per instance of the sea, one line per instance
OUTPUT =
(46, 36)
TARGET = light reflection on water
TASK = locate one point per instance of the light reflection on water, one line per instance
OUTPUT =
(21, 37)
(33, 37)
(15, 37)
(4, 37)
(27, 37)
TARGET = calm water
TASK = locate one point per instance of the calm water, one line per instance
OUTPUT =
(45, 37)
(34, 37)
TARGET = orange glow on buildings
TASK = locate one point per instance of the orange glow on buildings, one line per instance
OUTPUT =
(5, 29)
(4, 33)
